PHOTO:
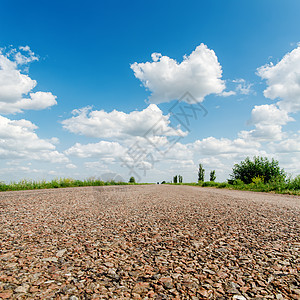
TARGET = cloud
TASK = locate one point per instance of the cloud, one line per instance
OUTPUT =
(101, 149)
(15, 86)
(269, 115)
(283, 80)
(239, 87)
(18, 140)
(100, 164)
(221, 154)
(227, 93)
(268, 121)
(243, 87)
(264, 133)
(19, 169)
(289, 145)
(199, 73)
(24, 56)
(117, 124)
(213, 146)
(37, 101)
(178, 152)
(167, 79)
(71, 166)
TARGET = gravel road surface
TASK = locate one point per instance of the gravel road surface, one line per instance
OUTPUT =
(149, 242)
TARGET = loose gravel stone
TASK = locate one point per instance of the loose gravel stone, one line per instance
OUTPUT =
(149, 242)
(238, 297)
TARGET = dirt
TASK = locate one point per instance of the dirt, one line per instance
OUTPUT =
(149, 242)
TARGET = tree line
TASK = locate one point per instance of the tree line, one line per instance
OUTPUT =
(259, 169)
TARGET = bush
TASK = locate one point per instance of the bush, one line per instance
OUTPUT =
(258, 180)
(260, 167)
(222, 185)
(295, 183)
(210, 184)
(132, 179)
(236, 182)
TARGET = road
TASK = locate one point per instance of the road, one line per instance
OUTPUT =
(149, 242)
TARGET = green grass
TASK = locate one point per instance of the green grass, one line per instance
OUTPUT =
(56, 183)
(291, 187)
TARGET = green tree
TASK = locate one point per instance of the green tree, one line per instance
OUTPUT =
(201, 173)
(259, 167)
(132, 179)
(175, 179)
(179, 178)
(212, 175)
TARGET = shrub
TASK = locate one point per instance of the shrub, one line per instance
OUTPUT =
(54, 184)
(209, 183)
(258, 180)
(259, 167)
(295, 183)
(222, 185)
(132, 179)
(235, 182)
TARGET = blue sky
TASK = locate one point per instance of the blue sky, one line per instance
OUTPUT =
(95, 57)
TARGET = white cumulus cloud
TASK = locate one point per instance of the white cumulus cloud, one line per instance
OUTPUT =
(19, 140)
(269, 115)
(16, 87)
(213, 146)
(290, 145)
(37, 101)
(101, 149)
(200, 74)
(268, 121)
(283, 80)
(117, 124)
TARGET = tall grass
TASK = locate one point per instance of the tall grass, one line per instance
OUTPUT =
(290, 186)
(55, 183)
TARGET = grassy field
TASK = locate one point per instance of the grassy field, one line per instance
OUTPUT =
(291, 187)
(55, 183)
